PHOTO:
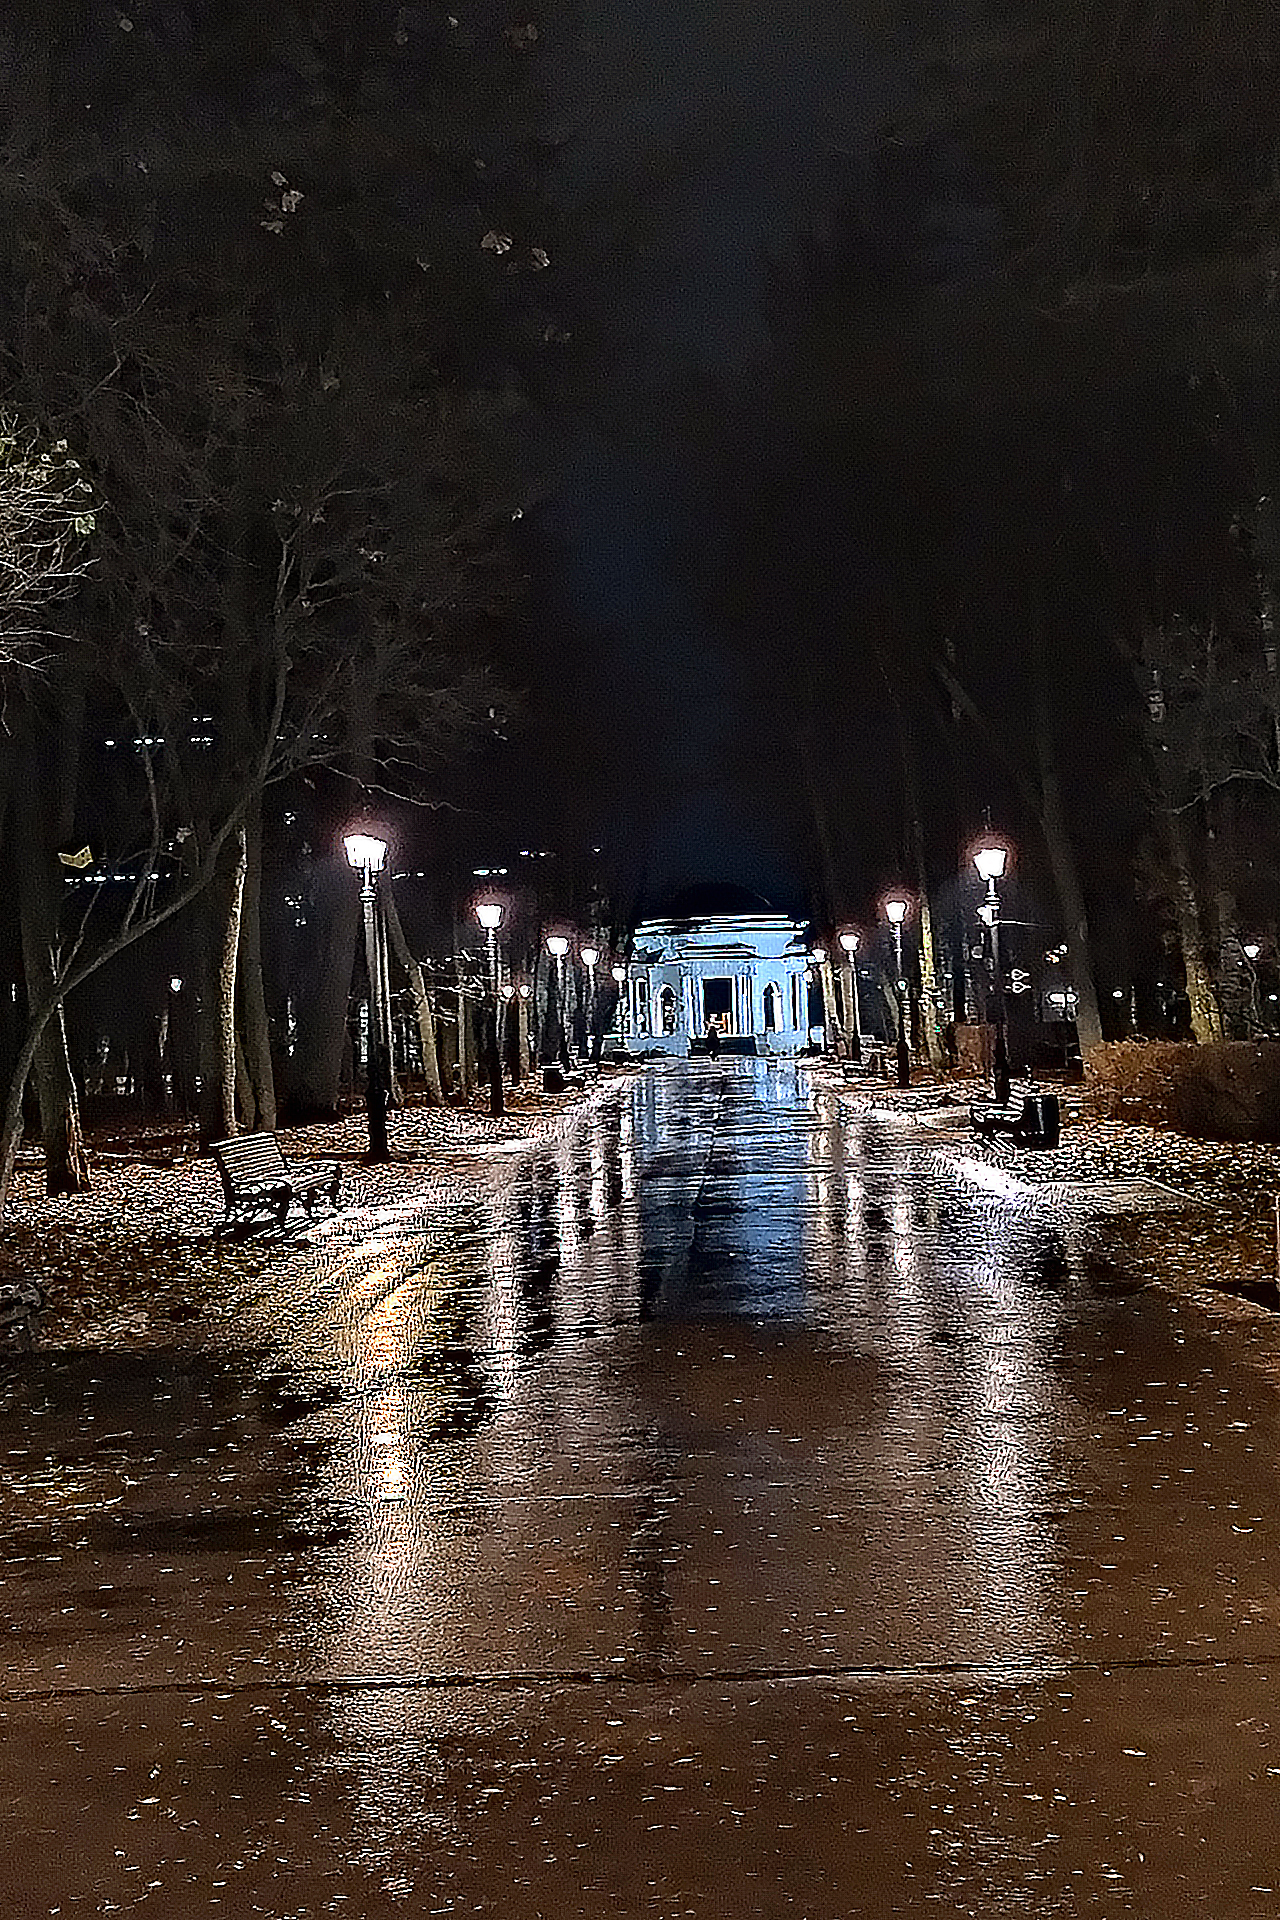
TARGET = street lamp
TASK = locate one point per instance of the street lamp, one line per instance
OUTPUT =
(558, 947)
(368, 855)
(896, 909)
(622, 1017)
(489, 914)
(991, 859)
(590, 957)
(849, 940)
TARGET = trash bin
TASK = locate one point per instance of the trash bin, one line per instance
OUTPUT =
(1041, 1120)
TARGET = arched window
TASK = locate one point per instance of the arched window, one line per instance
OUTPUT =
(667, 1005)
(771, 1021)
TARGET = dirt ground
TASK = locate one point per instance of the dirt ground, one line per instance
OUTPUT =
(134, 1261)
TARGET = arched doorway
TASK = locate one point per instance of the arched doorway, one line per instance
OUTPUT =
(771, 1021)
(667, 1009)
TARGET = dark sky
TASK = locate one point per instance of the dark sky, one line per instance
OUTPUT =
(734, 128)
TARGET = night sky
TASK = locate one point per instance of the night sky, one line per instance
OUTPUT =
(738, 130)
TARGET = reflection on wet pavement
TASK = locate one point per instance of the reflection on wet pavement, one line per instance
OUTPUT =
(734, 1510)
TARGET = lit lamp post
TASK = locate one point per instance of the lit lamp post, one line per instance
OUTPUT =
(822, 960)
(557, 947)
(368, 855)
(506, 997)
(896, 909)
(849, 941)
(1251, 950)
(621, 1018)
(991, 860)
(489, 914)
(590, 957)
(524, 994)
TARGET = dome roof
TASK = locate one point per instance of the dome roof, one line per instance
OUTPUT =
(716, 899)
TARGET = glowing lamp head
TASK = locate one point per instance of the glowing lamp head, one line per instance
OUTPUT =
(619, 973)
(524, 990)
(1252, 949)
(557, 946)
(175, 983)
(506, 990)
(589, 955)
(489, 914)
(896, 909)
(818, 953)
(849, 941)
(365, 850)
(991, 862)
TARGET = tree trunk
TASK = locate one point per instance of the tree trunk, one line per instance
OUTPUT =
(831, 1029)
(44, 810)
(1206, 1018)
(221, 907)
(422, 1006)
(466, 1042)
(1060, 848)
(258, 1087)
(321, 1035)
(928, 1013)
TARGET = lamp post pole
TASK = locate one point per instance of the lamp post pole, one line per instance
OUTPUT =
(896, 909)
(558, 947)
(849, 941)
(524, 994)
(367, 855)
(489, 914)
(990, 860)
(590, 960)
(622, 1010)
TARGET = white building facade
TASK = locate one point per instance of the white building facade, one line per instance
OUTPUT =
(746, 971)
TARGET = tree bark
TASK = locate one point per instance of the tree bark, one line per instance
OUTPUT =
(928, 1012)
(466, 1042)
(1206, 1018)
(422, 1006)
(321, 1033)
(44, 812)
(1060, 848)
(258, 1087)
(221, 907)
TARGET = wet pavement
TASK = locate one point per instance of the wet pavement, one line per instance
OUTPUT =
(737, 1511)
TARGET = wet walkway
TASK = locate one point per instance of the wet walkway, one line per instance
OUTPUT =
(738, 1513)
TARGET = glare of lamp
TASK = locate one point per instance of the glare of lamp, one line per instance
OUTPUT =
(489, 914)
(589, 955)
(1252, 948)
(619, 973)
(557, 946)
(175, 983)
(896, 909)
(524, 990)
(818, 953)
(991, 862)
(849, 941)
(365, 850)
(1117, 993)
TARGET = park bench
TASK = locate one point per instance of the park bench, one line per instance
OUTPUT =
(1029, 1117)
(259, 1184)
(20, 1302)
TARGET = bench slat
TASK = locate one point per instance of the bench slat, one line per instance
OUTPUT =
(257, 1180)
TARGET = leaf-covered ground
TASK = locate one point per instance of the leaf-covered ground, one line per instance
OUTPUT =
(1223, 1238)
(134, 1261)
